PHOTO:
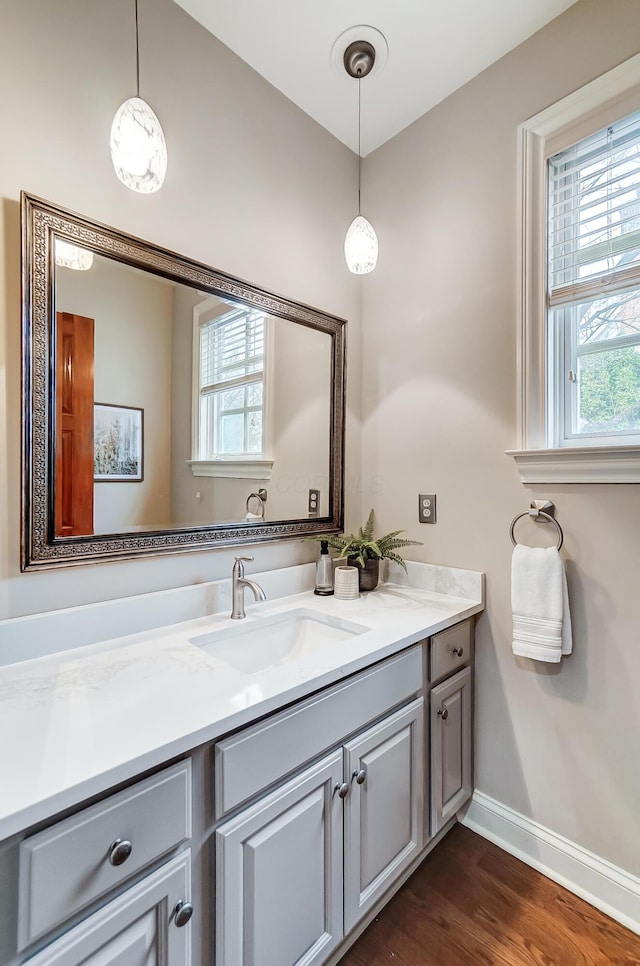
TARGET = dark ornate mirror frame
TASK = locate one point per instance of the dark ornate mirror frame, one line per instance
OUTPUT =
(41, 221)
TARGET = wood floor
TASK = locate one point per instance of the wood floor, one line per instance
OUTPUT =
(471, 904)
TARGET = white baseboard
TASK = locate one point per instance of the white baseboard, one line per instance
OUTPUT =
(607, 887)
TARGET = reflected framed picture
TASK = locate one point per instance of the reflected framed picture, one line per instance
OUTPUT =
(118, 444)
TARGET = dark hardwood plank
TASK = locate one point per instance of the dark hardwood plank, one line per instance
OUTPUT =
(471, 904)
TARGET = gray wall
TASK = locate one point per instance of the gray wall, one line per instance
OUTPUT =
(254, 187)
(301, 408)
(132, 312)
(557, 744)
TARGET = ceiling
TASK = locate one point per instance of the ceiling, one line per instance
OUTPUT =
(433, 49)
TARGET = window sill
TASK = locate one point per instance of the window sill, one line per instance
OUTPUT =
(246, 469)
(593, 464)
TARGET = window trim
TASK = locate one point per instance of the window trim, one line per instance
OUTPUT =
(569, 120)
(235, 468)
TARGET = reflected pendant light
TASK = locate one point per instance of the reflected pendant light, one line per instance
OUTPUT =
(361, 242)
(138, 147)
(72, 256)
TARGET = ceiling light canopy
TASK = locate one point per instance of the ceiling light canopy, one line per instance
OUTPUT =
(361, 242)
(138, 147)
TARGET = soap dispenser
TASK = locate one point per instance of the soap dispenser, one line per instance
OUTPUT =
(324, 571)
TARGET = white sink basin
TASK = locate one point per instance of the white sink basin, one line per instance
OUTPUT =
(278, 639)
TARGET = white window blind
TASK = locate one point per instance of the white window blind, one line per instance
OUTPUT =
(231, 348)
(594, 213)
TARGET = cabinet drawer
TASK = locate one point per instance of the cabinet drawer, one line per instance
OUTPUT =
(257, 757)
(67, 866)
(132, 928)
(451, 649)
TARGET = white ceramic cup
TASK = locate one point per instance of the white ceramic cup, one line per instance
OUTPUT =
(345, 583)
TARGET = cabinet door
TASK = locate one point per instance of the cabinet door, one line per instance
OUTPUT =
(136, 929)
(451, 779)
(384, 807)
(279, 874)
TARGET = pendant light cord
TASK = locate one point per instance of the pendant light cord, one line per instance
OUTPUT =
(137, 55)
(359, 153)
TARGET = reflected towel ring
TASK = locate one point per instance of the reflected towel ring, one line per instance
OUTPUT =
(540, 513)
(261, 498)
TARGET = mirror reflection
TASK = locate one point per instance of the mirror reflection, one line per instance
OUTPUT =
(174, 406)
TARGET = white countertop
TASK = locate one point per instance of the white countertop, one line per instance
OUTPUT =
(75, 723)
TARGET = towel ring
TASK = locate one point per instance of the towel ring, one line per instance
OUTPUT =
(540, 513)
(261, 497)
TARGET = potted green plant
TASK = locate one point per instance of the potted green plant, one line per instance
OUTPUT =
(365, 551)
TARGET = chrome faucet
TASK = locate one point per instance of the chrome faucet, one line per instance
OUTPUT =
(239, 583)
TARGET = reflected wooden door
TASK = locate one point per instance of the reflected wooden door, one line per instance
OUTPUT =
(74, 425)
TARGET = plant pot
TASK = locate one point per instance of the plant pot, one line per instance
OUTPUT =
(367, 575)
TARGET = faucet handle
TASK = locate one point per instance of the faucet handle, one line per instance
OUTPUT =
(238, 567)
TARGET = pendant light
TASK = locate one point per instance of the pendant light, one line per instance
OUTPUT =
(361, 242)
(138, 147)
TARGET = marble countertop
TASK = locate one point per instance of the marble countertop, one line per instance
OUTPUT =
(75, 723)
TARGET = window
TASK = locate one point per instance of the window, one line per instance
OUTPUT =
(231, 385)
(579, 333)
(230, 425)
(593, 288)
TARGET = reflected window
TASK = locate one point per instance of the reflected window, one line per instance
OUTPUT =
(231, 366)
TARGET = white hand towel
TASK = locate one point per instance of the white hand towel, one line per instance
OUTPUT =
(540, 604)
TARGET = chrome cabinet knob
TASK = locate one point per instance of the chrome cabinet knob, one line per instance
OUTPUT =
(458, 651)
(443, 712)
(342, 788)
(183, 912)
(119, 851)
(359, 775)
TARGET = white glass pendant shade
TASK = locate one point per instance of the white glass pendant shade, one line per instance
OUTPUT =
(72, 256)
(138, 147)
(361, 246)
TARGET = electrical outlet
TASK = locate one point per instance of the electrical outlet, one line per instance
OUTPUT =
(426, 507)
(314, 502)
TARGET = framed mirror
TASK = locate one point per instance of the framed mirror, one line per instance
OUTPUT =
(167, 407)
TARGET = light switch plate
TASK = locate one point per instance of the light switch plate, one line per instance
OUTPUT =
(426, 507)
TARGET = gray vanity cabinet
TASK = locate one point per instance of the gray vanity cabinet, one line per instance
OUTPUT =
(297, 869)
(315, 814)
(287, 890)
